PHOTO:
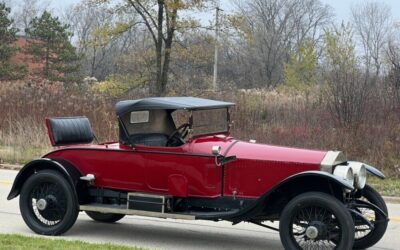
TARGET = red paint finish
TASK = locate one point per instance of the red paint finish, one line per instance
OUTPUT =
(259, 167)
(178, 185)
(190, 170)
(145, 169)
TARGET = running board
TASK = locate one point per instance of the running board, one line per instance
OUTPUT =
(123, 210)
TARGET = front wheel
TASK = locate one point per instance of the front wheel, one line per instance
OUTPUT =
(47, 203)
(316, 220)
(366, 237)
(106, 218)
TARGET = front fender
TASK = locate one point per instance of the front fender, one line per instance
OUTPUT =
(67, 170)
(373, 171)
(290, 187)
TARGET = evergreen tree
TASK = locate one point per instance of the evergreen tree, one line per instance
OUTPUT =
(48, 43)
(8, 37)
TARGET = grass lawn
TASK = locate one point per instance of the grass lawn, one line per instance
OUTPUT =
(12, 241)
(386, 187)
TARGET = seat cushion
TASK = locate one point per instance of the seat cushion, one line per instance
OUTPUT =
(154, 139)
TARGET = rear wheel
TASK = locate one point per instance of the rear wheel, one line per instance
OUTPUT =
(364, 237)
(107, 218)
(47, 203)
(316, 220)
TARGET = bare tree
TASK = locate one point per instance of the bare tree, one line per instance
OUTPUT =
(26, 10)
(373, 25)
(93, 27)
(393, 56)
(277, 28)
(348, 88)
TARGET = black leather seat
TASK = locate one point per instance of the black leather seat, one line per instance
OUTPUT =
(154, 139)
(70, 130)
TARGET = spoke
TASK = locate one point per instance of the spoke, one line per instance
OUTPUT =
(321, 218)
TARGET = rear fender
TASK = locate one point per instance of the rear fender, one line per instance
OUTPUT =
(70, 172)
(274, 200)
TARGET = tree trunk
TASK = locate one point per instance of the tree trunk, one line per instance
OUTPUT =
(167, 52)
(165, 70)
(159, 68)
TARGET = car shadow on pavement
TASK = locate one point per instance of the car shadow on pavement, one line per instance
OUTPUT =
(172, 235)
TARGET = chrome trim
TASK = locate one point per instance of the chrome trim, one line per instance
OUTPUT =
(331, 159)
(41, 204)
(312, 232)
(88, 177)
(108, 209)
(216, 150)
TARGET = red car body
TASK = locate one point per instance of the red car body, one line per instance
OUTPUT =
(190, 170)
(198, 171)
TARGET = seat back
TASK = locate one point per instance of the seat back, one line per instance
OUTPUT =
(69, 130)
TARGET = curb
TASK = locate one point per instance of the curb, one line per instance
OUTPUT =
(388, 199)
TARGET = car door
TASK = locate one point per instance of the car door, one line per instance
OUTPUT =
(177, 172)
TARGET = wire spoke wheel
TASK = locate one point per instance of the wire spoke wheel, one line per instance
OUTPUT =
(315, 227)
(363, 230)
(316, 220)
(47, 203)
(365, 236)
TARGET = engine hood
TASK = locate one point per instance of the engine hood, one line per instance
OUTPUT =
(263, 152)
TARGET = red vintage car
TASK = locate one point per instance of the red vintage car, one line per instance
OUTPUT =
(175, 158)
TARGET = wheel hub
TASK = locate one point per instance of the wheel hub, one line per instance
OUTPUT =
(41, 204)
(312, 232)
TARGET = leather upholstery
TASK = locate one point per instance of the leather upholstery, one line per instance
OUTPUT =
(154, 139)
(70, 130)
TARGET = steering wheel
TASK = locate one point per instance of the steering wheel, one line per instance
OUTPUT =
(180, 133)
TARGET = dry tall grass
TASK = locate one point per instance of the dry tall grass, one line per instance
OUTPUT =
(269, 117)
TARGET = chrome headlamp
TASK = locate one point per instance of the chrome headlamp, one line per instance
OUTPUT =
(360, 174)
(344, 172)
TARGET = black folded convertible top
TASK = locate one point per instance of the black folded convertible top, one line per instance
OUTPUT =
(169, 103)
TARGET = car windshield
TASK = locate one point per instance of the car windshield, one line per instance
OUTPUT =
(210, 121)
(205, 122)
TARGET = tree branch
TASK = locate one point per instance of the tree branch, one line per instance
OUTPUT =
(146, 21)
(147, 13)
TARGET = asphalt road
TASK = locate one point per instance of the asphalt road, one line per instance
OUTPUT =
(167, 233)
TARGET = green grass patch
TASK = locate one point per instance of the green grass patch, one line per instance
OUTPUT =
(12, 241)
(387, 187)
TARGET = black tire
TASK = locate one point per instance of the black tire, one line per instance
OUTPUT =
(370, 239)
(106, 218)
(317, 211)
(61, 209)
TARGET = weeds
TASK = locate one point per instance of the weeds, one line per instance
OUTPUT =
(290, 119)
